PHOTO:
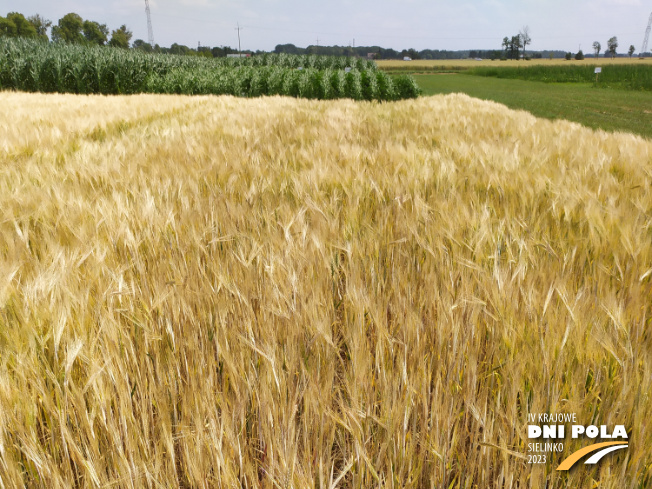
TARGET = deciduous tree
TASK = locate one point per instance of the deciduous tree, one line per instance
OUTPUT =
(143, 46)
(525, 37)
(612, 45)
(120, 37)
(40, 24)
(515, 46)
(95, 33)
(7, 28)
(23, 27)
(69, 29)
(596, 48)
(505, 46)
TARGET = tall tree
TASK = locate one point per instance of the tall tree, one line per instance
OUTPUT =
(23, 27)
(95, 33)
(612, 45)
(144, 46)
(40, 24)
(69, 29)
(505, 46)
(525, 37)
(596, 48)
(180, 49)
(120, 37)
(7, 28)
(515, 46)
(631, 50)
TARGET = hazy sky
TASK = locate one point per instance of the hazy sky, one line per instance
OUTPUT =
(421, 24)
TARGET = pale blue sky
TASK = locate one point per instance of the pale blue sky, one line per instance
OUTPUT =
(463, 24)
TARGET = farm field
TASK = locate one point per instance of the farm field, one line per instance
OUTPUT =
(462, 64)
(610, 110)
(220, 292)
(33, 66)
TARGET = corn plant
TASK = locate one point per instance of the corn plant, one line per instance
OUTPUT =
(35, 66)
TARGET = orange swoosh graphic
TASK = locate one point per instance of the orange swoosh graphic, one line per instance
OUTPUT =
(574, 457)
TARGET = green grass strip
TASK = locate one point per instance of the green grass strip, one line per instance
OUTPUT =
(610, 110)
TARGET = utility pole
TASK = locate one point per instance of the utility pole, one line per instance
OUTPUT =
(239, 29)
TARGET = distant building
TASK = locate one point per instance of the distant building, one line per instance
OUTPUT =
(407, 58)
(243, 55)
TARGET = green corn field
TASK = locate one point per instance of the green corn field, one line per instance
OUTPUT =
(34, 66)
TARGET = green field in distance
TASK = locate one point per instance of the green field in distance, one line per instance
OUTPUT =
(607, 109)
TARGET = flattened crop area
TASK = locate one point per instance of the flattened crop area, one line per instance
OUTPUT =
(221, 292)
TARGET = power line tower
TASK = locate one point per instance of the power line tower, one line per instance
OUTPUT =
(647, 36)
(150, 32)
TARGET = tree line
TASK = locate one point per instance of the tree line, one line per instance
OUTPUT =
(513, 45)
(73, 29)
(375, 52)
(70, 28)
(612, 45)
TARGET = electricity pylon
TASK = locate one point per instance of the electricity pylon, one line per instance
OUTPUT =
(150, 32)
(647, 36)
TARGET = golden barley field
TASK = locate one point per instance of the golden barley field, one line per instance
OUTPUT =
(417, 64)
(207, 292)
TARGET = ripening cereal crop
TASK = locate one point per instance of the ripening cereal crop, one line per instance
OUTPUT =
(272, 292)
